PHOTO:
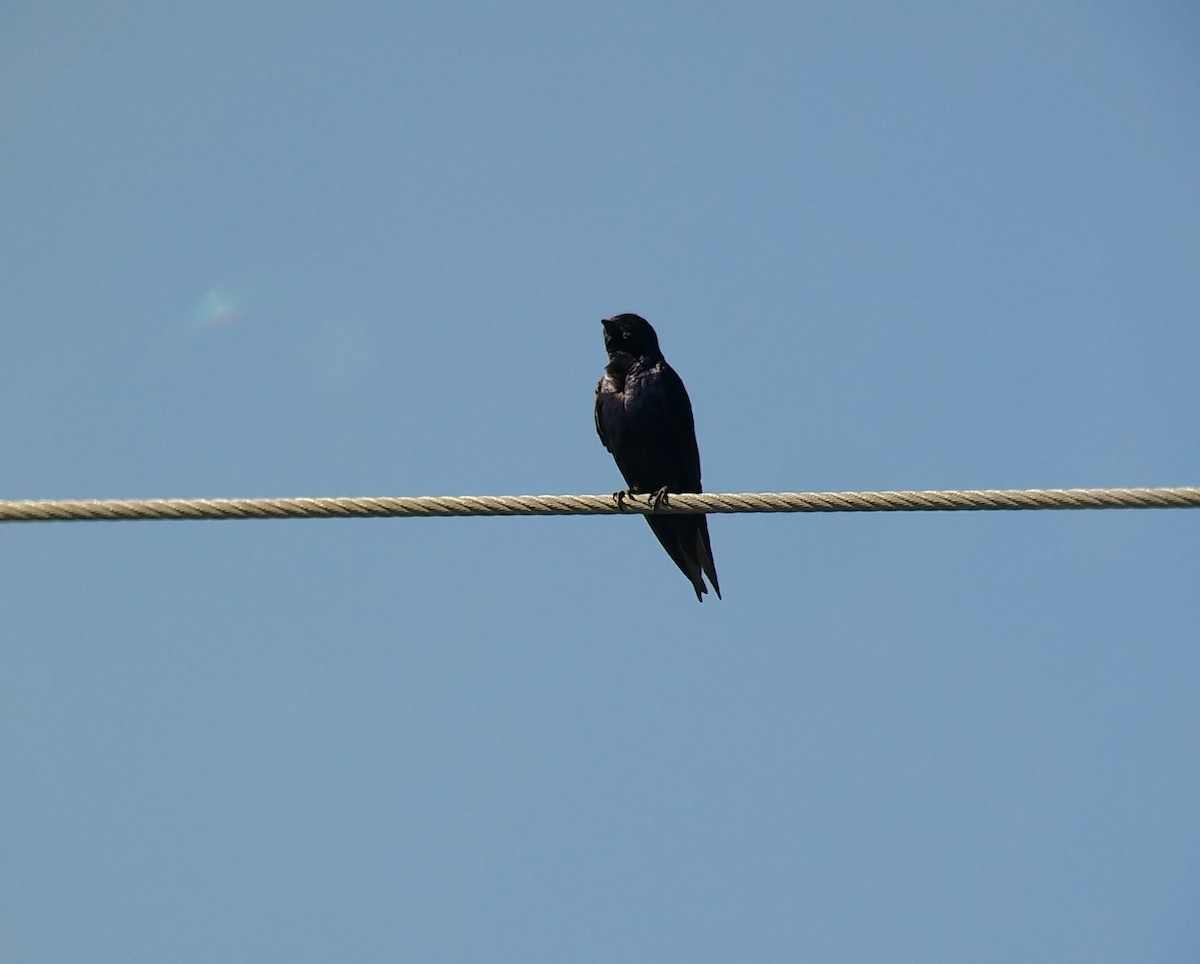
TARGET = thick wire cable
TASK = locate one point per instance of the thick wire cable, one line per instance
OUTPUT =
(969, 500)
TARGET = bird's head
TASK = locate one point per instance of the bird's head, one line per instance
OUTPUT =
(629, 334)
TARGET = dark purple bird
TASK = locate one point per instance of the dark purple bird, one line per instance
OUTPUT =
(644, 418)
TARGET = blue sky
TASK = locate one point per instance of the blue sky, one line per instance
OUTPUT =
(294, 249)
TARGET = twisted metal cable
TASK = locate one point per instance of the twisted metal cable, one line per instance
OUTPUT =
(108, 510)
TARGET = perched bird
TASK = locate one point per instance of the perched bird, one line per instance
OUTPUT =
(644, 418)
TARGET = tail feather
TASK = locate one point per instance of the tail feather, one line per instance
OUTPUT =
(685, 537)
(704, 554)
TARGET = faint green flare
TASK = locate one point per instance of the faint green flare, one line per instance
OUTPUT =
(217, 308)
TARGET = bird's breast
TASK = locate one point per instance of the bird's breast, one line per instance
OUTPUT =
(613, 385)
(617, 374)
(638, 386)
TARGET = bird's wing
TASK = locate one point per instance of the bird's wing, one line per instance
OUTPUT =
(678, 445)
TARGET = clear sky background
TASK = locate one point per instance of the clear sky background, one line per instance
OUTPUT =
(317, 249)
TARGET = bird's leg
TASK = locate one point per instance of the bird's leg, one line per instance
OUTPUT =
(659, 499)
(619, 498)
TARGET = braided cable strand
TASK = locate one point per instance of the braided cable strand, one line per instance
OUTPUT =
(109, 510)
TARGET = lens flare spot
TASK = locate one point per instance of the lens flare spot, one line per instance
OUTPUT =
(218, 308)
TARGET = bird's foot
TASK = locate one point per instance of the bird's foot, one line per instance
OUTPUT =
(619, 498)
(659, 499)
